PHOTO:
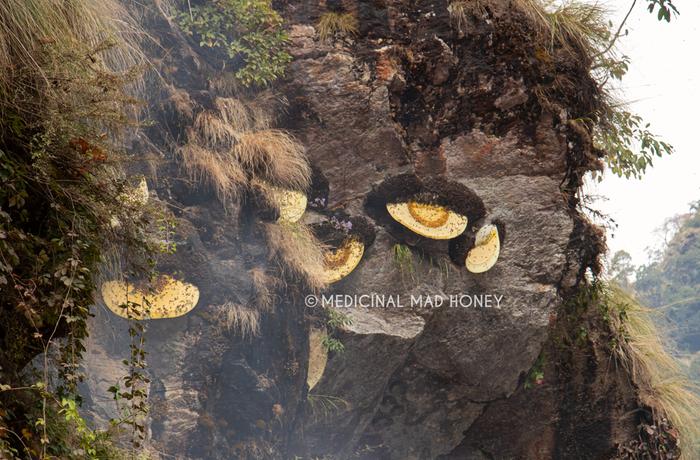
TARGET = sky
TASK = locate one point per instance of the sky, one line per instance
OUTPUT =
(663, 86)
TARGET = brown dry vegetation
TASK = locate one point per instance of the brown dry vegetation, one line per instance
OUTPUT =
(263, 286)
(226, 177)
(333, 23)
(298, 250)
(238, 319)
(89, 23)
(574, 25)
(661, 382)
(233, 145)
(277, 155)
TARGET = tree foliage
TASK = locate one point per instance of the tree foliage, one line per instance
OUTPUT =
(621, 269)
(666, 9)
(630, 145)
(672, 282)
(248, 33)
(63, 108)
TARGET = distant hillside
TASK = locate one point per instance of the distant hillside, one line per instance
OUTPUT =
(672, 285)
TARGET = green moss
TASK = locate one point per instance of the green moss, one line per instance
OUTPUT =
(535, 375)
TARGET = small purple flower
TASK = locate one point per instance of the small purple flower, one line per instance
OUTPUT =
(342, 225)
(318, 202)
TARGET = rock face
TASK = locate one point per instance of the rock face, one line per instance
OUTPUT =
(412, 92)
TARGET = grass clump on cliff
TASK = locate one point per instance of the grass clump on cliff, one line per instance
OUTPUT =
(30, 27)
(238, 319)
(458, 10)
(662, 388)
(667, 409)
(403, 259)
(571, 24)
(582, 30)
(333, 23)
(299, 252)
(278, 156)
(66, 73)
(661, 382)
(231, 146)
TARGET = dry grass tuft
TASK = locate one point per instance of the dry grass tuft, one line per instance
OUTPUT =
(181, 100)
(263, 288)
(574, 25)
(333, 23)
(239, 319)
(224, 84)
(298, 251)
(261, 119)
(661, 382)
(214, 131)
(28, 26)
(275, 156)
(217, 169)
(235, 114)
(325, 406)
(243, 117)
(458, 10)
(233, 144)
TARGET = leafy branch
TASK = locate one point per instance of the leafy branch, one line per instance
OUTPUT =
(249, 33)
(131, 401)
(631, 148)
(630, 145)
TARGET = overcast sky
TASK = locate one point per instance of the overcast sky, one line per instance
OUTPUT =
(663, 86)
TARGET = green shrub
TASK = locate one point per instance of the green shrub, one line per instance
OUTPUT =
(248, 32)
(65, 71)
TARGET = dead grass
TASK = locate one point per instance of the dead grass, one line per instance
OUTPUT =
(332, 23)
(224, 84)
(214, 131)
(459, 9)
(217, 169)
(181, 101)
(263, 288)
(238, 319)
(276, 157)
(662, 384)
(261, 118)
(234, 113)
(232, 145)
(574, 25)
(244, 116)
(298, 251)
(27, 26)
(325, 406)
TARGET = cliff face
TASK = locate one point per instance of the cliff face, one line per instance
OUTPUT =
(478, 100)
